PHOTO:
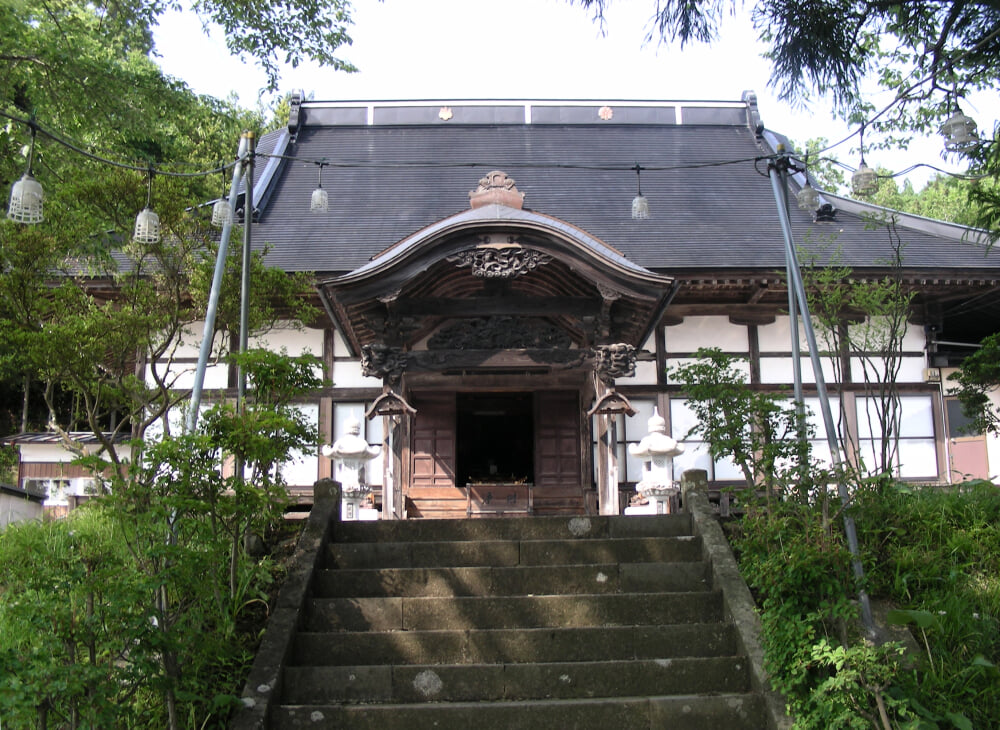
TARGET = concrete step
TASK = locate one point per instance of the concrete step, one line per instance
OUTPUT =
(500, 553)
(513, 528)
(507, 581)
(537, 622)
(508, 612)
(496, 682)
(693, 712)
(514, 645)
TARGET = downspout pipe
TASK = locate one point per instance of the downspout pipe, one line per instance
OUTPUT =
(778, 173)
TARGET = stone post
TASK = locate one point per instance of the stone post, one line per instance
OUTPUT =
(694, 480)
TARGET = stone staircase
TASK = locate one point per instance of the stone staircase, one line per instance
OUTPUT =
(536, 622)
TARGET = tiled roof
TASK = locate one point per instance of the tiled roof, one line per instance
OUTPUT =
(49, 437)
(393, 169)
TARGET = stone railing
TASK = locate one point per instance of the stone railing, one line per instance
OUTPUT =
(264, 683)
(738, 603)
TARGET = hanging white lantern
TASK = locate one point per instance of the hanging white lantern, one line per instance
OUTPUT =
(320, 202)
(640, 206)
(147, 227)
(26, 195)
(959, 132)
(147, 223)
(864, 181)
(807, 197)
(26, 199)
(221, 213)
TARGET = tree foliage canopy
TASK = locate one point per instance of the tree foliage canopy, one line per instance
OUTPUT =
(829, 46)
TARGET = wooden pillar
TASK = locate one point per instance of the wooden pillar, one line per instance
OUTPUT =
(396, 415)
(609, 405)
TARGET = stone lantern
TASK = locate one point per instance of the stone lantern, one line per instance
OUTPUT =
(350, 453)
(656, 450)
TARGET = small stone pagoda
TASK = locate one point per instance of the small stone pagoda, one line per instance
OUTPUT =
(656, 492)
(351, 453)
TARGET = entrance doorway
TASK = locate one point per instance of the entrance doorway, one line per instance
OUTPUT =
(495, 438)
(967, 449)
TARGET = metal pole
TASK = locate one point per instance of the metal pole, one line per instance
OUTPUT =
(213, 299)
(795, 279)
(793, 320)
(793, 315)
(248, 208)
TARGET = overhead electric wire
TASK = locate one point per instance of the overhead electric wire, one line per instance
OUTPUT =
(31, 123)
(369, 164)
(901, 97)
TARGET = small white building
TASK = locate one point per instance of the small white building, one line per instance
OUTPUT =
(46, 469)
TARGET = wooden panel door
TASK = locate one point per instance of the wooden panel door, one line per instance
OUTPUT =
(433, 463)
(559, 485)
(432, 491)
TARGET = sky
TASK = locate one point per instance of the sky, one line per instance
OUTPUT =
(528, 50)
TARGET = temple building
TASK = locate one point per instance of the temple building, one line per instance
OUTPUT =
(505, 287)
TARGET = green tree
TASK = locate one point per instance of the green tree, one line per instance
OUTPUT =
(944, 198)
(830, 46)
(759, 431)
(81, 59)
(84, 74)
(977, 381)
(861, 322)
(927, 53)
(127, 614)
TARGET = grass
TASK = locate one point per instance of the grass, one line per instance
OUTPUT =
(933, 554)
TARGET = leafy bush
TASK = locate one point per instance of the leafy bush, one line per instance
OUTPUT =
(935, 554)
(133, 612)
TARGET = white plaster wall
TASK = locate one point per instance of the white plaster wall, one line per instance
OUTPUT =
(181, 376)
(776, 370)
(777, 336)
(190, 340)
(707, 331)
(340, 348)
(347, 374)
(645, 374)
(911, 369)
(294, 340)
(57, 454)
(914, 339)
(302, 467)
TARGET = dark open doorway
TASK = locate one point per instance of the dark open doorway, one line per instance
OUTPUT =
(495, 439)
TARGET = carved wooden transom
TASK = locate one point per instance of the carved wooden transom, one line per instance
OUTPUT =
(499, 261)
(500, 333)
